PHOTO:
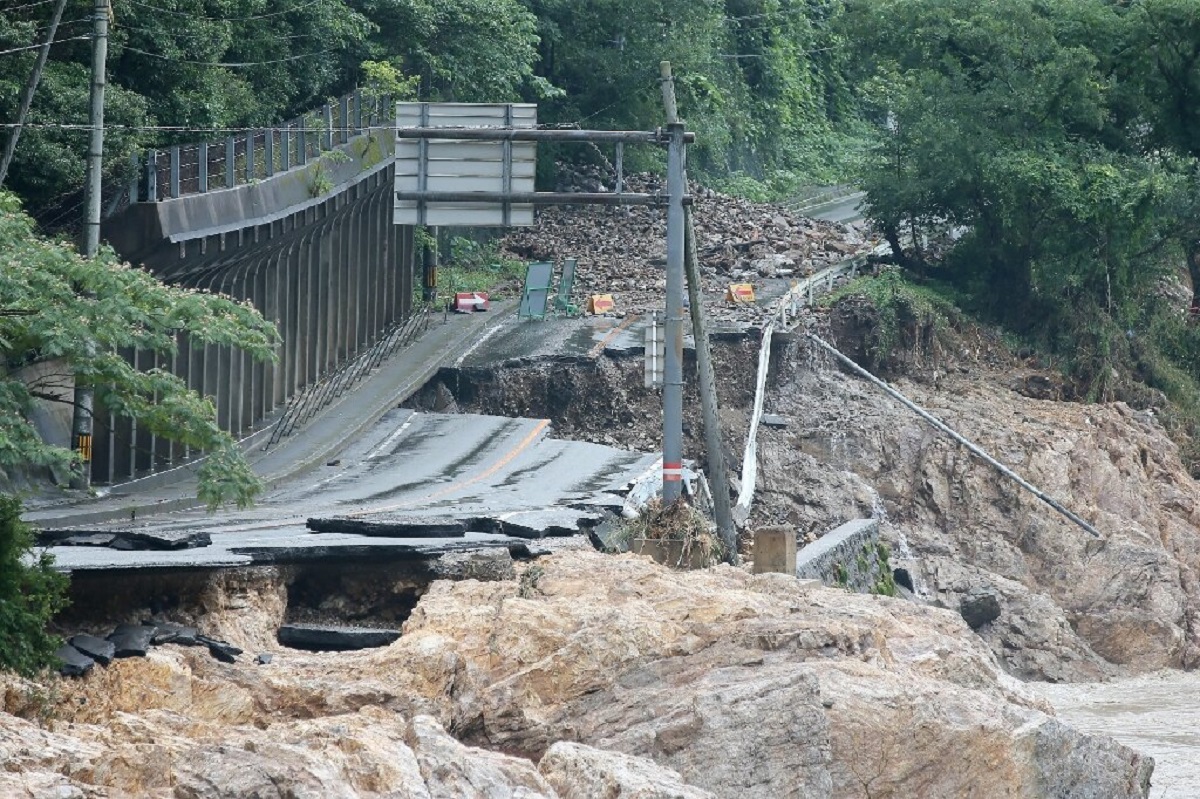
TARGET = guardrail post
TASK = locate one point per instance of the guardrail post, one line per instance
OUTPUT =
(230, 150)
(344, 118)
(202, 167)
(302, 140)
(269, 151)
(327, 118)
(358, 125)
(285, 144)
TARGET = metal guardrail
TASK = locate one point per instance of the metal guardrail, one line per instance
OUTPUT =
(254, 154)
(320, 394)
(784, 317)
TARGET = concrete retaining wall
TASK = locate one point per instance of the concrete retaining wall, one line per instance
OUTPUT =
(851, 557)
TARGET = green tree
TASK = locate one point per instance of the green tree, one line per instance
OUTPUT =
(31, 592)
(1002, 128)
(73, 301)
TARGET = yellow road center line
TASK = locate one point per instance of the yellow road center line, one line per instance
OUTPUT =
(495, 467)
(599, 348)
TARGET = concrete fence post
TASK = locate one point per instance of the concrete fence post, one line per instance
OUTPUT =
(230, 154)
(202, 167)
(152, 176)
(135, 172)
(174, 151)
(251, 167)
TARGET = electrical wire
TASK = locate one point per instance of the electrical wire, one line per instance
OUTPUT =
(226, 64)
(179, 128)
(172, 12)
(61, 24)
(779, 13)
(43, 44)
(199, 34)
(30, 5)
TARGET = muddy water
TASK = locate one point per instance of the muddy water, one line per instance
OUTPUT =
(1157, 714)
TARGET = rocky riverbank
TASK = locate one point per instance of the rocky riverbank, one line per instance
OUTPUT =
(587, 675)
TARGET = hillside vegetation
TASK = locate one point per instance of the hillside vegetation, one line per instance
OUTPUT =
(1034, 161)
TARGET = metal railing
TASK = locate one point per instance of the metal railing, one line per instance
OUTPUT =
(319, 395)
(256, 154)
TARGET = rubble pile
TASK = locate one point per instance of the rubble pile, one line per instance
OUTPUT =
(622, 250)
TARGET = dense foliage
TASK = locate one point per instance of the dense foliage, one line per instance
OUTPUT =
(115, 306)
(31, 592)
(1039, 159)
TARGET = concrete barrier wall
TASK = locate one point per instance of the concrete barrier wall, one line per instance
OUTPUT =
(851, 557)
(323, 261)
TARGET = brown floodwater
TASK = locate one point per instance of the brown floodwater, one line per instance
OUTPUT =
(1157, 714)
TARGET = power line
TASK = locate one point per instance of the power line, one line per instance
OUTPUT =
(770, 55)
(36, 46)
(227, 64)
(61, 24)
(203, 34)
(172, 12)
(30, 5)
(181, 128)
(781, 12)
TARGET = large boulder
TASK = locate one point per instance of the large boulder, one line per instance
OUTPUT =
(733, 684)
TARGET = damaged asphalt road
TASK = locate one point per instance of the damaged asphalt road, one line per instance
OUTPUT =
(417, 485)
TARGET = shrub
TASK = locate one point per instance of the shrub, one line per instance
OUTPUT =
(31, 592)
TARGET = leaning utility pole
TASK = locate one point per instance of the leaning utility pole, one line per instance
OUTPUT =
(35, 78)
(708, 382)
(81, 423)
(672, 468)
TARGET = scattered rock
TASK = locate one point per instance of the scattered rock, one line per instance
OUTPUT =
(333, 638)
(97, 649)
(773, 420)
(264, 658)
(131, 640)
(577, 771)
(979, 608)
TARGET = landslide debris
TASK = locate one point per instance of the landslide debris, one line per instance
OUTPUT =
(622, 251)
(614, 672)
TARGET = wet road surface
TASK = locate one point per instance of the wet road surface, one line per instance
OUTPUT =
(410, 464)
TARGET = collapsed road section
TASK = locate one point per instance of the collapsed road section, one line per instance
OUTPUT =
(418, 486)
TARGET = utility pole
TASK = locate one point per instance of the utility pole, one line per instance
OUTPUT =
(81, 423)
(708, 382)
(35, 78)
(672, 468)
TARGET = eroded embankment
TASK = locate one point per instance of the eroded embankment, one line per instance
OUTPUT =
(1071, 607)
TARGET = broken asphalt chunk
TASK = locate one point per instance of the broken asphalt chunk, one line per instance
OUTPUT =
(393, 527)
(316, 638)
(221, 650)
(131, 640)
(126, 540)
(171, 633)
(96, 648)
(74, 662)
